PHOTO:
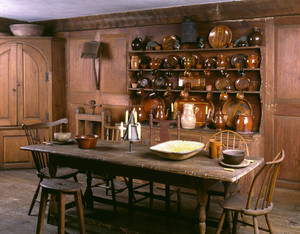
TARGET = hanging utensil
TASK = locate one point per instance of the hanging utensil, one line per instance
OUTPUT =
(91, 51)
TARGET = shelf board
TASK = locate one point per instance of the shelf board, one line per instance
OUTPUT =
(194, 50)
(194, 70)
(194, 91)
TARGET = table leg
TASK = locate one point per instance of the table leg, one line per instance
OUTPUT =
(53, 208)
(228, 218)
(202, 199)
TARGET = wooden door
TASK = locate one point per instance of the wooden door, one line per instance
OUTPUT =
(32, 81)
(8, 85)
(283, 108)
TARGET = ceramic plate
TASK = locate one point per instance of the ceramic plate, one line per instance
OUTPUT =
(222, 83)
(245, 163)
(243, 38)
(171, 61)
(152, 45)
(169, 42)
(219, 36)
(242, 83)
(238, 58)
(68, 142)
(232, 107)
(177, 150)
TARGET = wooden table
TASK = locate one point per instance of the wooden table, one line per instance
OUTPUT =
(196, 173)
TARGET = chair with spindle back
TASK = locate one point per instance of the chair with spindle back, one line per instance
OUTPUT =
(38, 134)
(164, 136)
(229, 140)
(250, 205)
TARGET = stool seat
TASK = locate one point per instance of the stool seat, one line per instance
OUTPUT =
(60, 187)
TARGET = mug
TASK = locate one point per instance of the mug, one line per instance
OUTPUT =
(214, 148)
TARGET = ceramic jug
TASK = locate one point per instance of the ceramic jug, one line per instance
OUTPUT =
(244, 123)
(155, 63)
(160, 113)
(253, 61)
(136, 44)
(255, 38)
(222, 61)
(135, 62)
(220, 120)
(188, 118)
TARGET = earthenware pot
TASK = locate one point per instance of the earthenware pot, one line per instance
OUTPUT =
(136, 44)
(220, 120)
(244, 123)
(160, 112)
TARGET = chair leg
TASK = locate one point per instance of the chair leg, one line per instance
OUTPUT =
(36, 193)
(42, 209)
(235, 222)
(61, 222)
(207, 203)
(269, 223)
(255, 224)
(220, 226)
(79, 208)
(113, 195)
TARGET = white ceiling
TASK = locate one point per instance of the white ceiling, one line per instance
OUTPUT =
(39, 10)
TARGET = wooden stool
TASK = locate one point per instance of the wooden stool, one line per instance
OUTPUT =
(60, 188)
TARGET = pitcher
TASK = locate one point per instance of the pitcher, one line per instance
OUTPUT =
(188, 118)
(253, 61)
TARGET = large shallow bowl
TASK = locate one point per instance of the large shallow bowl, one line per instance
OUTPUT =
(62, 136)
(177, 150)
(86, 141)
(233, 157)
(26, 30)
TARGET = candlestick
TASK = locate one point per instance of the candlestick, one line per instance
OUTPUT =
(205, 127)
(126, 116)
(121, 132)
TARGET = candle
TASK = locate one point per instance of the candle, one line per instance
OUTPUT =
(172, 107)
(138, 131)
(126, 116)
(129, 131)
(121, 133)
(135, 116)
(206, 110)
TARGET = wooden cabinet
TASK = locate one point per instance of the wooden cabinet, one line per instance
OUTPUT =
(30, 68)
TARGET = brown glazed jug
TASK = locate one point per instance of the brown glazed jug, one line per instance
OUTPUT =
(141, 113)
(255, 38)
(136, 44)
(244, 123)
(253, 61)
(220, 120)
(222, 61)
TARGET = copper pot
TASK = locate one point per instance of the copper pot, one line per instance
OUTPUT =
(244, 123)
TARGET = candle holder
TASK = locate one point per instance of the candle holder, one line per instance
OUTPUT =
(133, 130)
(205, 127)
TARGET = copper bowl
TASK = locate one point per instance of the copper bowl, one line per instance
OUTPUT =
(86, 141)
(233, 157)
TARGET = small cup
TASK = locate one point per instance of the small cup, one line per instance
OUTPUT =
(198, 66)
(251, 87)
(134, 85)
(214, 148)
(230, 45)
(208, 87)
(237, 65)
(157, 47)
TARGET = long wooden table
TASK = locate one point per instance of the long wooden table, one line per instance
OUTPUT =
(198, 172)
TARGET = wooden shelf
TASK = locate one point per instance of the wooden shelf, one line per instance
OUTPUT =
(194, 91)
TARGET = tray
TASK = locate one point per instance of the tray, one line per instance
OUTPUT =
(245, 163)
(219, 36)
(232, 107)
(177, 150)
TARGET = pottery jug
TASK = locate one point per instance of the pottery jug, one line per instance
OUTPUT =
(255, 38)
(220, 120)
(141, 113)
(144, 82)
(136, 44)
(160, 113)
(244, 123)
(188, 118)
(155, 63)
(253, 61)
(135, 62)
(222, 61)
(160, 82)
(188, 62)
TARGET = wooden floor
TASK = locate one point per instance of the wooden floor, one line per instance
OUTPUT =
(17, 188)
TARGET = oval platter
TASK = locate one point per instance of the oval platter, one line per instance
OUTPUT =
(219, 36)
(232, 107)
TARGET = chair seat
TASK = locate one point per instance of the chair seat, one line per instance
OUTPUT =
(62, 172)
(219, 189)
(237, 203)
(61, 185)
